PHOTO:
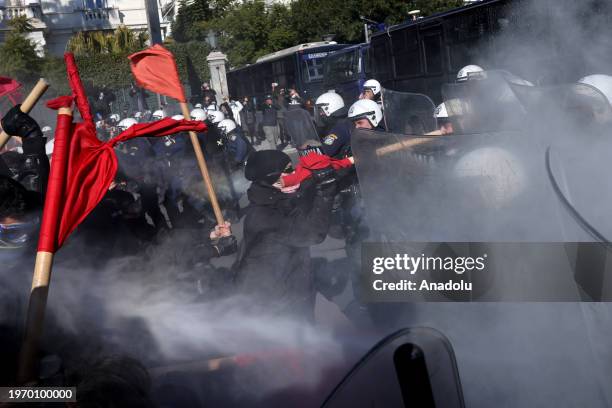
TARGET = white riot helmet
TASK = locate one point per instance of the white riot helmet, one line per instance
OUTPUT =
(372, 85)
(138, 115)
(464, 73)
(198, 105)
(126, 123)
(46, 129)
(365, 108)
(158, 115)
(227, 126)
(329, 102)
(178, 117)
(603, 83)
(215, 117)
(440, 112)
(115, 118)
(198, 114)
(211, 108)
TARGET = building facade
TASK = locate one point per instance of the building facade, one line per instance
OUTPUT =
(56, 21)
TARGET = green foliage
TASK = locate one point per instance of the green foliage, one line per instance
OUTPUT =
(20, 25)
(102, 55)
(248, 29)
(18, 58)
(120, 41)
(192, 53)
(187, 27)
(110, 70)
(54, 70)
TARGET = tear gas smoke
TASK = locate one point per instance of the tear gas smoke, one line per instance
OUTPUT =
(493, 186)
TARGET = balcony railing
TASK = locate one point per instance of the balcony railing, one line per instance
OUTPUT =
(17, 8)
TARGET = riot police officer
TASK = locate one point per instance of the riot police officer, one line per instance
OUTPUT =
(336, 134)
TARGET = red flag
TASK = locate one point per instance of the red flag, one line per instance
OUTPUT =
(11, 89)
(83, 167)
(155, 70)
(8, 86)
(90, 167)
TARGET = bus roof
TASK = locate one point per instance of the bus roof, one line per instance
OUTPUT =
(436, 16)
(349, 48)
(294, 49)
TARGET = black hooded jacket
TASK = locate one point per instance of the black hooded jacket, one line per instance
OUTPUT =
(274, 260)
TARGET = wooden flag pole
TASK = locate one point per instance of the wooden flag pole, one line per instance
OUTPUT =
(37, 92)
(203, 168)
(36, 309)
(406, 144)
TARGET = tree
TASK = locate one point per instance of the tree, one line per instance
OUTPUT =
(248, 29)
(187, 27)
(20, 24)
(120, 41)
(102, 56)
(18, 57)
(191, 62)
(243, 32)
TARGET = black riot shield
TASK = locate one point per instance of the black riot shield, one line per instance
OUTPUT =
(410, 368)
(299, 126)
(488, 188)
(486, 104)
(408, 113)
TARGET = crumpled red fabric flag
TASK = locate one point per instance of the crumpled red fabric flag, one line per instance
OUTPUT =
(155, 70)
(313, 161)
(83, 167)
(90, 167)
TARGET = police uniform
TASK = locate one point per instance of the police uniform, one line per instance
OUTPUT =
(238, 147)
(337, 142)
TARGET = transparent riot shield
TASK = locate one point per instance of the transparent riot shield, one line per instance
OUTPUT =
(575, 172)
(408, 113)
(410, 368)
(579, 105)
(488, 188)
(486, 103)
(299, 126)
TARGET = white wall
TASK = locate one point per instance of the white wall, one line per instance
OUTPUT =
(63, 18)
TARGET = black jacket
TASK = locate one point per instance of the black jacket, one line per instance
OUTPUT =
(274, 259)
(270, 115)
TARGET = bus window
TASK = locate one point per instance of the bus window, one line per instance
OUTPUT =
(342, 67)
(312, 69)
(407, 55)
(432, 47)
(380, 58)
(366, 58)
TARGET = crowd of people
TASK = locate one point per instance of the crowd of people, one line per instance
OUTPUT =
(285, 205)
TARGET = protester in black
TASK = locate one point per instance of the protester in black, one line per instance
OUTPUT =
(274, 260)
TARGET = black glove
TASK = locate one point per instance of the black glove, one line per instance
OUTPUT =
(225, 245)
(17, 123)
(325, 180)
